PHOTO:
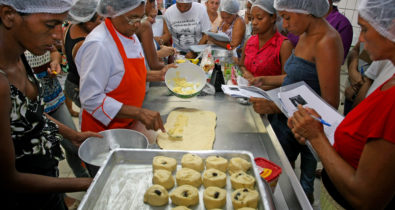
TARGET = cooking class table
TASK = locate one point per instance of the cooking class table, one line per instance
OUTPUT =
(239, 127)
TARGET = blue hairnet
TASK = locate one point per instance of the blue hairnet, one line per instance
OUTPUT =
(39, 6)
(381, 16)
(266, 5)
(318, 8)
(229, 6)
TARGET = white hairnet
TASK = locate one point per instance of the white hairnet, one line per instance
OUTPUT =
(39, 6)
(113, 8)
(266, 5)
(184, 1)
(229, 6)
(83, 10)
(336, 1)
(318, 8)
(381, 16)
(251, 1)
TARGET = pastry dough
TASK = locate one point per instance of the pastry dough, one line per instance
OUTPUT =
(193, 162)
(166, 163)
(156, 195)
(185, 195)
(187, 176)
(214, 177)
(164, 178)
(244, 197)
(214, 197)
(242, 180)
(238, 164)
(180, 208)
(198, 130)
(217, 162)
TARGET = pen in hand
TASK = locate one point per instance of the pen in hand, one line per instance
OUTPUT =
(321, 120)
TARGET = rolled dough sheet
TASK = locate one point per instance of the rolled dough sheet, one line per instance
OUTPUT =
(196, 127)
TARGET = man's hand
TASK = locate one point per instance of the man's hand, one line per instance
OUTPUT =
(151, 119)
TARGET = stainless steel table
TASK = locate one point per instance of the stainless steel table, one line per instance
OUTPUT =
(239, 127)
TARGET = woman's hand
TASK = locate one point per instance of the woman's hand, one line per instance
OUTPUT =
(304, 126)
(263, 106)
(166, 51)
(256, 81)
(80, 137)
(248, 75)
(167, 67)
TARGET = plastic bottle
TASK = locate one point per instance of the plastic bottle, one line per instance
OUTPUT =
(228, 64)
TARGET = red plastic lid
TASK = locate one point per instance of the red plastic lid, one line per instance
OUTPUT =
(271, 171)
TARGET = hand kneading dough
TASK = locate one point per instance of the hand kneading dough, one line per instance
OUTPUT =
(217, 162)
(156, 195)
(164, 178)
(242, 180)
(180, 208)
(187, 176)
(214, 177)
(193, 162)
(214, 197)
(166, 163)
(197, 134)
(185, 195)
(238, 164)
(244, 197)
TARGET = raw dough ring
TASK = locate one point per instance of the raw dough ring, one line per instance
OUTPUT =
(217, 162)
(193, 162)
(214, 177)
(164, 178)
(244, 197)
(238, 164)
(214, 197)
(242, 180)
(187, 176)
(156, 195)
(166, 163)
(185, 195)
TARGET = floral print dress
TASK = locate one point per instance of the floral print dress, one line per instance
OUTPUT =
(36, 138)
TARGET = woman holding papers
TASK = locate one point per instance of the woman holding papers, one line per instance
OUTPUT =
(316, 60)
(359, 169)
(232, 24)
(266, 52)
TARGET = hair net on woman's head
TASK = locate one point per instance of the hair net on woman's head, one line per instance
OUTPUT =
(318, 8)
(251, 1)
(336, 1)
(266, 5)
(39, 6)
(184, 1)
(381, 16)
(83, 10)
(229, 6)
(113, 8)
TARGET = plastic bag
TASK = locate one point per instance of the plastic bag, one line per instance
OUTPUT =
(207, 62)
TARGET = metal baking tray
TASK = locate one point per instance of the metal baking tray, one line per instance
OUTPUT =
(127, 173)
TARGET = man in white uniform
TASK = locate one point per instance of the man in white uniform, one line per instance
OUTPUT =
(185, 22)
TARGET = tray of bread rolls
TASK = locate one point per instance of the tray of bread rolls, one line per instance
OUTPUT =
(172, 179)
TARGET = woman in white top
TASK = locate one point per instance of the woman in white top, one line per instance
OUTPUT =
(212, 11)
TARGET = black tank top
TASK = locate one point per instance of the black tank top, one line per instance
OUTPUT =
(69, 44)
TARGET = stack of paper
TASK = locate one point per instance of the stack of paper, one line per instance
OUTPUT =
(244, 91)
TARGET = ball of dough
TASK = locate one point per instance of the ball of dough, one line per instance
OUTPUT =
(238, 164)
(217, 162)
(214, 197)
(166, 163)
(185, 195)
(156, 195)
(245, 197)
(187, 176)
(193, 162)
(164, 178)
(180, 208)
(214, 177)
(242, 180)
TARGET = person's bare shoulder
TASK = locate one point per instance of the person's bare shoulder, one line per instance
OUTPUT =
(4, 88)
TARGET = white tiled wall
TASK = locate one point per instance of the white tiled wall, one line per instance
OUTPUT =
(349, 9)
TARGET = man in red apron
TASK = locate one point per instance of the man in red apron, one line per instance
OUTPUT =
(112, 71)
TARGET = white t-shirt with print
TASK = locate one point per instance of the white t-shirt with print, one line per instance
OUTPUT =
(186, 28)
